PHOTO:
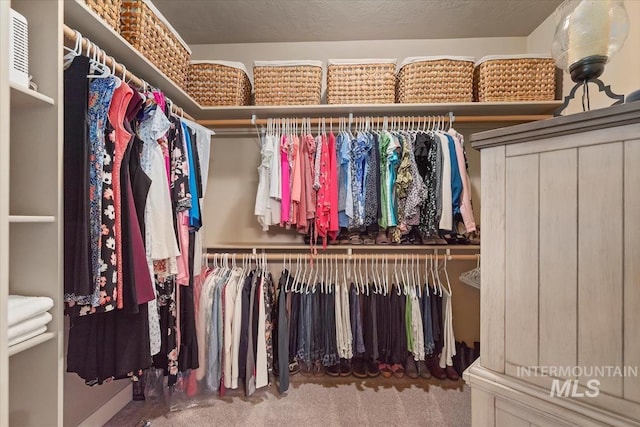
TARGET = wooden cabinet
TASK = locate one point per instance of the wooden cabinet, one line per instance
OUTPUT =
(560, 271)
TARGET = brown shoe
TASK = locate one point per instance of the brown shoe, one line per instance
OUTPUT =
(474, 238)
(451, 373)
(434, 368)
(381, 238)
(439, 240)
(368, 239)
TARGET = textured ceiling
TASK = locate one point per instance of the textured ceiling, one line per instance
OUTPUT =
(253, 21)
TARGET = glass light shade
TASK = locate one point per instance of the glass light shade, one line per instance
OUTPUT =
(588, 34)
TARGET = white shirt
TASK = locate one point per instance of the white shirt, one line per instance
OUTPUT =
(262, 205)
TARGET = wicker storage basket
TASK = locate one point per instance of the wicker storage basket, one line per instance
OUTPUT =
(215, 83)
(435, 79)
(142, 25)
(515, 78)
(108, 10)
(361, 81)
(287, 82)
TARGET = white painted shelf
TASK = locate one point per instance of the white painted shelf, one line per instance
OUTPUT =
(24, 97)
(31, 218)
(25, 345)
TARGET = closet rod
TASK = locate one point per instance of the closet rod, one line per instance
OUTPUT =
(346, 257)
(72, 35)
(241, 123)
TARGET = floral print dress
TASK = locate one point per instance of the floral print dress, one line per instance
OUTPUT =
(100, 94)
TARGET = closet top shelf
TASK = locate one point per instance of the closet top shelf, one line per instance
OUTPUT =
(79, 16)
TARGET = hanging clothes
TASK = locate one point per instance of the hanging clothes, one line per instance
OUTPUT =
(126, 154)
(392, 179)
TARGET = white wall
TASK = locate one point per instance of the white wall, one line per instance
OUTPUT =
(622, 73)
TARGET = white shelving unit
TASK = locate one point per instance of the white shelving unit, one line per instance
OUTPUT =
(30, 216)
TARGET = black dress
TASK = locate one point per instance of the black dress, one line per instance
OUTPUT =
(77, 250)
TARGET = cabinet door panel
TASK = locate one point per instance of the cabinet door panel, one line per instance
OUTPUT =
(521, 328)
(558, 257)
(600, 260)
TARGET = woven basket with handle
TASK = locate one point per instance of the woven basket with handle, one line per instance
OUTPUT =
(435, 79)
(215, 83)
(142, 25)
(515, 78)
(361, 81)
(287, 82)
(108, 10)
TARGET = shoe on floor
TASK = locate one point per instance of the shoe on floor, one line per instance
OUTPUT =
(451, 373)
(333, 370)
(306, 369)
(385, 370)
(434, 367)
(318, 369)
(373, 369)
(398, 370)
(358, 367)
(345, 367)
(423, 371)
(294, 368)
(410, 368)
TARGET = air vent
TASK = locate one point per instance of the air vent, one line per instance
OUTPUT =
(18, 50)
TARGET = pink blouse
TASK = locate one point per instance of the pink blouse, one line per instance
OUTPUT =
(285, 176)
(323, 200)
(296, 180)
(334, 228)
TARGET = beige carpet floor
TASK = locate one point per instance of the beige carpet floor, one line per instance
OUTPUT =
(323, 401)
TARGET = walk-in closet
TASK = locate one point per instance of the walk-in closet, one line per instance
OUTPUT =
(301, 213)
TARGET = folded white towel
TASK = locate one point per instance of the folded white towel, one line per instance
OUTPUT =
(29, 325)
(22, 308)
(32, 334)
